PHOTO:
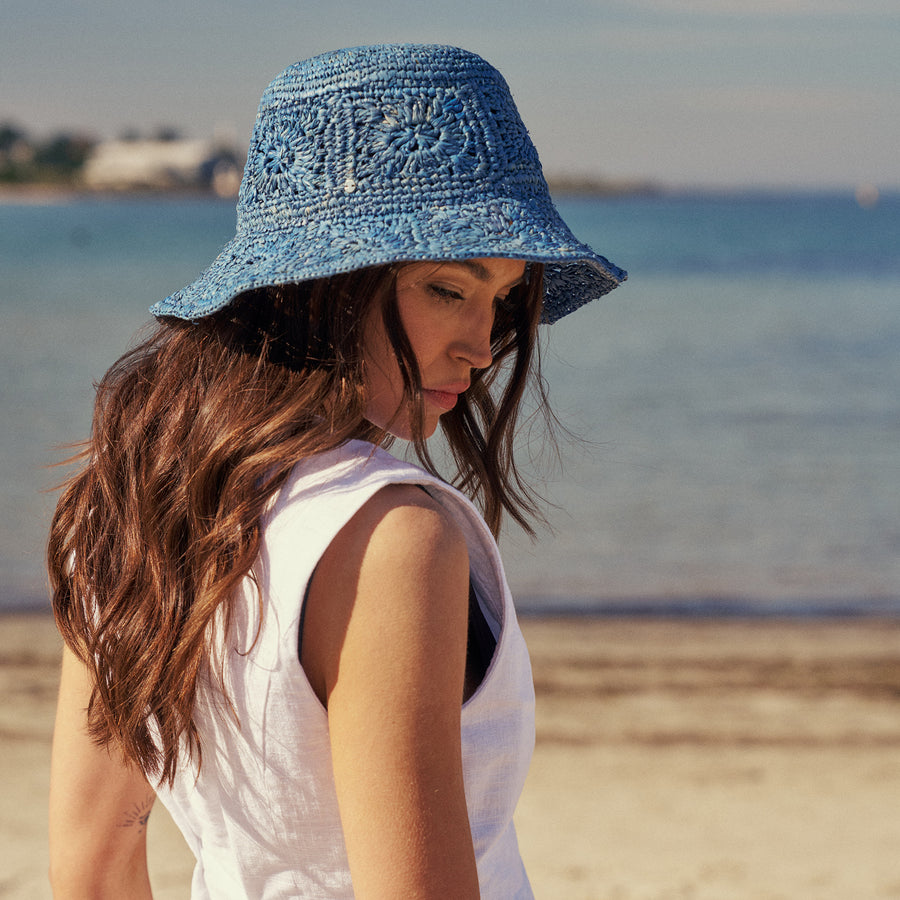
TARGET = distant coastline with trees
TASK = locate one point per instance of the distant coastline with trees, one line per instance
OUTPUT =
(55, 161)
(69, 163)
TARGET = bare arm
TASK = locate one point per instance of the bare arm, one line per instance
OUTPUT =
(98, 806)
(385, 647)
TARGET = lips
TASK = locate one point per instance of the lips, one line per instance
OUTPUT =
(445, 396)
(444, 399)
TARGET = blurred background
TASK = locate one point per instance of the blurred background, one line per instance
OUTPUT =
(736, 400)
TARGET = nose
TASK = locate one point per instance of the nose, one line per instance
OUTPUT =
(474, 345)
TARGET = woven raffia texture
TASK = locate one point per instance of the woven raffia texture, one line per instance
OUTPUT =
(381, 154)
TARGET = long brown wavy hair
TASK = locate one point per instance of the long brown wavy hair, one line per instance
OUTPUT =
(194, 431)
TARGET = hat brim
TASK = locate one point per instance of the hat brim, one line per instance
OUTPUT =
(316, 248)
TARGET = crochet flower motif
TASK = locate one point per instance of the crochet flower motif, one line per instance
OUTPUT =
(419, 135)
(286, 161)
(499, 219)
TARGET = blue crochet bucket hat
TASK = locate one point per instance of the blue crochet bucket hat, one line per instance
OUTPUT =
(391, 153)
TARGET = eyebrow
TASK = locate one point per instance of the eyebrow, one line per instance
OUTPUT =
(479, 271)
(476, 268)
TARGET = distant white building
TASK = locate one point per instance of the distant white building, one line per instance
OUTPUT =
(157, 165)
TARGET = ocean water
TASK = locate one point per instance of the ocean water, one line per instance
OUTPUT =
(737, 401)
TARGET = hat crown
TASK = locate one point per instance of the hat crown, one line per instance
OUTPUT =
(377, 129)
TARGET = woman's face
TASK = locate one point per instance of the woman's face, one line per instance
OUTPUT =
(447, 310)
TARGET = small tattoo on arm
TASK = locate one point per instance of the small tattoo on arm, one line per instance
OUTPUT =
(137, 814)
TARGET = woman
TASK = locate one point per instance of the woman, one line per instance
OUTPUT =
(304, 646)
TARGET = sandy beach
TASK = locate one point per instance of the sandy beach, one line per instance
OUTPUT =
(708, 760)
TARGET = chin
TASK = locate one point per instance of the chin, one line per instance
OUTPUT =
(399, 425)
(403, 430)
(405, 434)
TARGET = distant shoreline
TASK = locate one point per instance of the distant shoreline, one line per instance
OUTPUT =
(38, 194)
(567, 186)
(561, 184)
(49, 194)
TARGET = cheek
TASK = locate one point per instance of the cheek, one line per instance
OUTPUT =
(424, 333)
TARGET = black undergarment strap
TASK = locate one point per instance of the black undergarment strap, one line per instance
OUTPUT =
(481, 643)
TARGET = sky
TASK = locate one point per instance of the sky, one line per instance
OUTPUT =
(686, 93)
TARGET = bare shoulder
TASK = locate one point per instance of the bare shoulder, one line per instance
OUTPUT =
(395, 575)
(401, 518)
(398, 541)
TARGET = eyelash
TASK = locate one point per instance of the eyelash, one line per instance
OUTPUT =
(451, 296)
(445, 294)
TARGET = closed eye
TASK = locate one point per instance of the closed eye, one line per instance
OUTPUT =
(444, 293)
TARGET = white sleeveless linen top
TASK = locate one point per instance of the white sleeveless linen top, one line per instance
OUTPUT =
(261, 817)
